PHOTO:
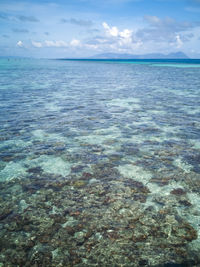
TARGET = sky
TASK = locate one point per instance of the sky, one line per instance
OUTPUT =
(83, 28)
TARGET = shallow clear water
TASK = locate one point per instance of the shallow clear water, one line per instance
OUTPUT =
(99, 163)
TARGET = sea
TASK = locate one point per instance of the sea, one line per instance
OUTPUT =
(99, 163)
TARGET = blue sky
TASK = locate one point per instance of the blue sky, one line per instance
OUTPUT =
(81, 28)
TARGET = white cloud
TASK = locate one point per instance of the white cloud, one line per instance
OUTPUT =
(75, 43)
(120, 40)
(20, 44)
(113, 39)
(111, 31)
(159, 35)
(114, 32)
(56, 44)
(179, 42)
(91, 47)
(37, 44)
(152, 19)
(50, 44)
(126, 33)
(162, 34)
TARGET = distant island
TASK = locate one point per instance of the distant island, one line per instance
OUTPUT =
(176, 55)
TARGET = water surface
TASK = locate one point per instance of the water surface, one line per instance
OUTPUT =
(99, 163)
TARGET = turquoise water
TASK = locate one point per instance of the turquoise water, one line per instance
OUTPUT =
(99, 163)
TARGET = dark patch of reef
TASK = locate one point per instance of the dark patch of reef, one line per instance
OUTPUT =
(87, 220)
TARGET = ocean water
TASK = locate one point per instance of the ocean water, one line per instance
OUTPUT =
(99, 163)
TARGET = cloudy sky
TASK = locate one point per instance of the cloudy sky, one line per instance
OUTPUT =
(81, 28)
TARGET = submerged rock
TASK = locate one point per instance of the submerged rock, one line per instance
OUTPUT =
(178, 191)
(79, 183)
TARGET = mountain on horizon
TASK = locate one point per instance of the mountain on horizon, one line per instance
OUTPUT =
(175, 55)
